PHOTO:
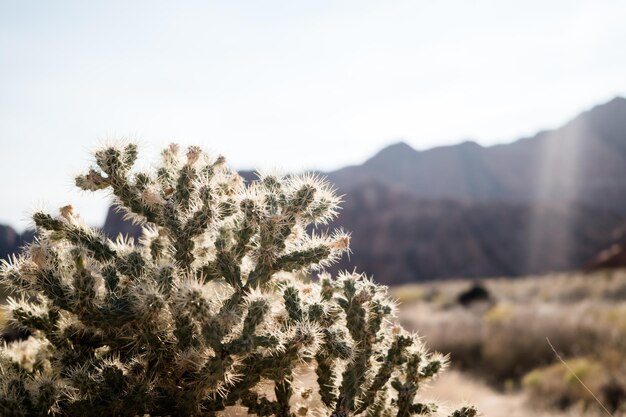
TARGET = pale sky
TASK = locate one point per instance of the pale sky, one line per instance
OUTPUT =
(294, 84)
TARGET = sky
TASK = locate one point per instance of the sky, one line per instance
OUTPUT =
(297, 85)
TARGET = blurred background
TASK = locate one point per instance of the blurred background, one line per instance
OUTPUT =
(480, 146)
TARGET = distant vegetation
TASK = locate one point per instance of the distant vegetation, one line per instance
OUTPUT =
(503, 340)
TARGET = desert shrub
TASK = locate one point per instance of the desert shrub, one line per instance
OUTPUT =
(506, 342)
(556, 386)
(208, 310)
(477, 293)
(616, 293)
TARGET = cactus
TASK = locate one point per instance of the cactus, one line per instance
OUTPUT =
(213, 309)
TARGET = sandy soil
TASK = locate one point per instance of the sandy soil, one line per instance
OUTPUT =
(454, 389)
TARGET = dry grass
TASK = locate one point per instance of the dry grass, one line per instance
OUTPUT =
(503, 341)
(454, 387)
(565, 287)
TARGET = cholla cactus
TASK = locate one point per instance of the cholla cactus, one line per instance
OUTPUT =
(210, 311)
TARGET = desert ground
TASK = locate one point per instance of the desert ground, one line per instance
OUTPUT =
(498, 342)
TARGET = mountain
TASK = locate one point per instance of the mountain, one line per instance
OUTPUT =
(400, 238)
(583, 161)
(115, 224)
(11, 241)
(549, 202)
(545, 203)
(612, 257)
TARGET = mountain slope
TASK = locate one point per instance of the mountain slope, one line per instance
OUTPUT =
(546, 203)
(399, 238)
(11, 241)
(585, 161)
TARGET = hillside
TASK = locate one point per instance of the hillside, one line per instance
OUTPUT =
(401, 238)
(584, 161)
(546, 203)
(11, 241)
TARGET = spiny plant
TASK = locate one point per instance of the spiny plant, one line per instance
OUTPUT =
(212, 310)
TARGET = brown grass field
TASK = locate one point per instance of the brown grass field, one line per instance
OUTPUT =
(501, 360)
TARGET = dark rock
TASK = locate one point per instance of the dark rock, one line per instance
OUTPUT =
(475, 294)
